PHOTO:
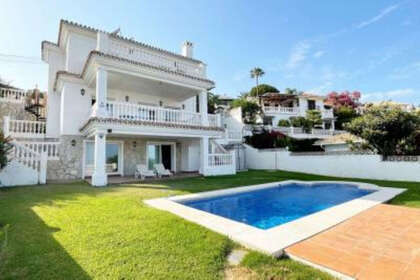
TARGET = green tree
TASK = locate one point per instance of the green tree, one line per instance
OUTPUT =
(261, 89)
(301, 122)
(387, 129)
(212, 102)
(344, 114)
(313, 117)
(250, 109)
(256, 73)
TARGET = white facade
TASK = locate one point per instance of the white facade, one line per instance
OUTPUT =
(283, 107)
(103, 86)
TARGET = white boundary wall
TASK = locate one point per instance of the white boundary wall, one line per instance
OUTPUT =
(343, 165)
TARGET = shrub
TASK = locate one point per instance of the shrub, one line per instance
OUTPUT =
(388, 130)
(301, 122)
(344, 114)
(303, 145)
(283, 123)
(5, 147)
(250, 109)
(267, 140)
(313, 118)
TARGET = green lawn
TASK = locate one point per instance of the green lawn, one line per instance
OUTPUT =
(74, 231)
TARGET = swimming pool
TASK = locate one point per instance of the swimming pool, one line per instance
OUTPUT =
(270, 217)
(271, 207)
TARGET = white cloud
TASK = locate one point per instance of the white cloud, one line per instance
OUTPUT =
(298, 55)
(318, 54)
(379, 16)
(395, 95)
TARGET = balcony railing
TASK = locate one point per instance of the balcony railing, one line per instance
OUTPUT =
(220, 159)
(12, 95)
(281, 110)
(136, 112)
(140, 54)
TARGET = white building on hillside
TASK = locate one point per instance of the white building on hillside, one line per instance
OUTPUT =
(114, 103)
(280, 106)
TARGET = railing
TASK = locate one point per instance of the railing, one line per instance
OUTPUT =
(136, 112)
(50, 148)
(214, 120)
(31, 159)
(289, 129)
(24, 128)
(220, 159)
(12, 95)
(328, 132)
(281, 110)
(140, 54)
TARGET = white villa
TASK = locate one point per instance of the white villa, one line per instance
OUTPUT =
(114, 103)
(282, 106)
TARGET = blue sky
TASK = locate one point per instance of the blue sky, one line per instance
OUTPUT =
(316, 46)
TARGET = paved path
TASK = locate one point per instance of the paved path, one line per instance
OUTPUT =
(380, 243)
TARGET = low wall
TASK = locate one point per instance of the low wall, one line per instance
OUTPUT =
(339, 165)
(17, 174)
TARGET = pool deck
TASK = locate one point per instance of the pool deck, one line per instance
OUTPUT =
(274, 240)
(382, 242)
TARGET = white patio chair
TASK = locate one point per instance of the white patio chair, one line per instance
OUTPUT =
(161, 171)
(143, 172)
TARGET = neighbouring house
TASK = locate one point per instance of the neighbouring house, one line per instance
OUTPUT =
(225, 101)
(338, 143)
(281, 106)
(114, 102)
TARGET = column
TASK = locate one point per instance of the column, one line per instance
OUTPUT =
(323, 124)
(102, 42)
(203, 108)
(101, 92)
(6, 126)
(333, 124)
(99, 177)
(204, 155)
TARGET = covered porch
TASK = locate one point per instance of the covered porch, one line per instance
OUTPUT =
(112, 157)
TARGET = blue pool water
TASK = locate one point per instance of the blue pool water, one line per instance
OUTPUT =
(270, 207)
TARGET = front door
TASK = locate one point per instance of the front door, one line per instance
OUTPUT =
(166, 156)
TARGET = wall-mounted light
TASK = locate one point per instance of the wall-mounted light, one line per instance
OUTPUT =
(134, 144)
(82, 91)
(161, 103)
(73, 143)
(101, 136)
(127, 98)
(183, 106)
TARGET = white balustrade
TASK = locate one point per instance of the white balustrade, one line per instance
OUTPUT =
(12, 95)
(24, 128)
(141, 54)
(220, 159)
(214, 120)
(153, 114)
(50, 148)
(31, 159)
(281, 110)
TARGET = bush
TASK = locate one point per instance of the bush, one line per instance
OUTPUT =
(5, 147)
(301, 122)
(284, 123)
(303, 145)
(388, 130)
(250, 109)
(344, 114)
(267, 140)
(263, 88)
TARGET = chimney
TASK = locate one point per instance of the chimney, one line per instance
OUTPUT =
(187, 49)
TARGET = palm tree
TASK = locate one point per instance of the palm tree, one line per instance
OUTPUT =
(257, 73)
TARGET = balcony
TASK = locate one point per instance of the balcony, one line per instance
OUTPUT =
(281, 110)
(152, 114)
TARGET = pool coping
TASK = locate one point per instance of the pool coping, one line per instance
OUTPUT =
(274, 240)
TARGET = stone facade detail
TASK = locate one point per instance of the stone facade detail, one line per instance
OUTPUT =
(70, 164)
